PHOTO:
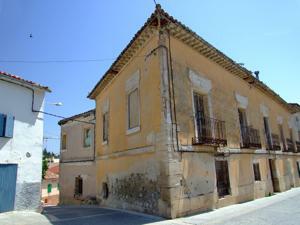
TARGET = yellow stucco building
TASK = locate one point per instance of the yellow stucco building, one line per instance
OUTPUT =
(181, 128)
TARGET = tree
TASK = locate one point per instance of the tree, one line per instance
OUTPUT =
(44, 168)
(44, 163)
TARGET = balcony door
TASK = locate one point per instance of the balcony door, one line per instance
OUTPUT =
(282, 137)
(267, 133)
(200, 116)
(243, 126)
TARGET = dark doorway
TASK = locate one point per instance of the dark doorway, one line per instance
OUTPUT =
(78, 186)
(222, 174)
(273, 173)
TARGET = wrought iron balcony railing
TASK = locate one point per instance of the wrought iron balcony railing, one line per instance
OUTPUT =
(290, 145)
(210, 131)
(250, 137)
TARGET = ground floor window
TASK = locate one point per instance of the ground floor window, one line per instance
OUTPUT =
(222, 174)
(78, 186)
(298, 167)
(256, 172)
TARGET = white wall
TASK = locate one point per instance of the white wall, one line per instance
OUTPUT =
(27, 138)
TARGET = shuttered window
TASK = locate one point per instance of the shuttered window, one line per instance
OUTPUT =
(105, 127)
(133, 109)
(222, 174)
(7, 125)
(256, 172)
(64, 142)
(49, 188)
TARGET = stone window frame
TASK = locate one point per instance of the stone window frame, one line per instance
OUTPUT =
(219, 159)
(64, 142)
(85, 129)
(202, 86)
(133, 84)
(105, 112)
(281, 133)
(265, 114)
(256, 171)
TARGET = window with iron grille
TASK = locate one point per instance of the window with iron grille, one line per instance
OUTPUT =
(256, 172)
(222, 174)
(78, 186)
(105, 127)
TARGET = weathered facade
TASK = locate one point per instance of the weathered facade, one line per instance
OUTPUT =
(21, 142)
(182, 128)
(77, 159)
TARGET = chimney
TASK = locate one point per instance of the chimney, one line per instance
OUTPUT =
(256, 74)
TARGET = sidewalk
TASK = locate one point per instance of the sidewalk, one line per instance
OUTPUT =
(229, 213)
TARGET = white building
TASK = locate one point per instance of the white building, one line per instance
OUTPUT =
(21, 142)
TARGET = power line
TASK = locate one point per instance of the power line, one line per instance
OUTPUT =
(63, 60)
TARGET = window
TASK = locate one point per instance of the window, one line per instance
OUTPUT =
(105, 127)
(201, 111)
(87, 137)
(78, 186)
(64, 142)
(282, 137)
(267, 133)
(6, 125)
(49, 188)
(222, 174)
(244, 128)
(298, 167)
(256, 172)
(133, 109)
(291, 135)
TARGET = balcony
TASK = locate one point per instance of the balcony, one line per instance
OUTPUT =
(250, 137)
(275, 142)
(290, 145)
(210, 131)
(298, 146)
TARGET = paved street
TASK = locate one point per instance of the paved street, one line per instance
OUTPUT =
(283, 209)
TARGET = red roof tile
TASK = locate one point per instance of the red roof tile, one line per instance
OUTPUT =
(20, 79)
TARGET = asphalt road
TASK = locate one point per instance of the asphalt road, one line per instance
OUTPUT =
(283, 209)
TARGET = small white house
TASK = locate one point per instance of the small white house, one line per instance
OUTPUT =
(21, 142)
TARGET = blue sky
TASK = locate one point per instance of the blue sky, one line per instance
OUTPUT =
(262, 34)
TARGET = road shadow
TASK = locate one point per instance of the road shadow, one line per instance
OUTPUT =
(92, 215)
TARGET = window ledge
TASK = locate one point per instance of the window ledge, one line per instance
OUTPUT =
(133, 130)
